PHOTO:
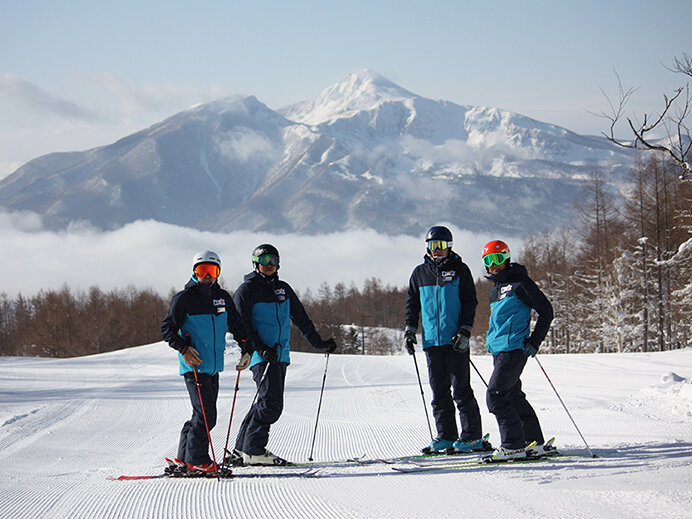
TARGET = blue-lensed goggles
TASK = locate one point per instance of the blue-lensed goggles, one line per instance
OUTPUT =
(266, 259)
(496, 258)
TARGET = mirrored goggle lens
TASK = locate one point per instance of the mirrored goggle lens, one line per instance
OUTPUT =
(439, 244)
(207, 268)
(267, 259)
(496, 258)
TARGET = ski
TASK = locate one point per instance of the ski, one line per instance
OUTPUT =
(485, 462)
(361, 460)
(223, 475)
(477, 462)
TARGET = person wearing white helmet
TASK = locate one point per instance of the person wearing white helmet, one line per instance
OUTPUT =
(195, 326)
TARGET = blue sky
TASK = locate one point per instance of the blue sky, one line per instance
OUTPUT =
(79, 74)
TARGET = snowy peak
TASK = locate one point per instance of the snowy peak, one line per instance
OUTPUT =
(361, 91)
(359, 155)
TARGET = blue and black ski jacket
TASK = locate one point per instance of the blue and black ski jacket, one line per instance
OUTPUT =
(205, 313)
(269, 305)
(444, 295)
(512, 296)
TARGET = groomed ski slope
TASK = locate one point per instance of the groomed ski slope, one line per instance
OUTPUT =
(67, 425)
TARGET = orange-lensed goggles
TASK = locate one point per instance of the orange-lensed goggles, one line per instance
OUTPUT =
(203, 269)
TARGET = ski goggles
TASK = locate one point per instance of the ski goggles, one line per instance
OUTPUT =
(496, 258)
(266, 259)
(203, 269)
(439, 244)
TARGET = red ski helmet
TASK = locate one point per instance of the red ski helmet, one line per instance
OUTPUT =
(495, 246)
(495, 252)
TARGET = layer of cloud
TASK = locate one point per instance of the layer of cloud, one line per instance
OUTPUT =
(37, 121)
(156, 255)
(36, 99)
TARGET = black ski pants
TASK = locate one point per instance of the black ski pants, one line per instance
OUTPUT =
(253, 435)
(516, 418)
(193, 447)
(450, 368)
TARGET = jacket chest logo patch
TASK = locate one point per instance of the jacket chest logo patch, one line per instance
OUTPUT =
(505, 291)
(448, 275)
(220, 305)
(280, 294)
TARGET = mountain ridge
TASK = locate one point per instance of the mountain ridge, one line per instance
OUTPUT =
(363, 153)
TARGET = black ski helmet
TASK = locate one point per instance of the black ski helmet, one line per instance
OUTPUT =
(438, 232)
(261, 250)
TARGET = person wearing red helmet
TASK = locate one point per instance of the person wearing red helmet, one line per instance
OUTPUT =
(510, 340)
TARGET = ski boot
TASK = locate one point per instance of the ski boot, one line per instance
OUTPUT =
(203, 469)
(437, 446)
(175, 467)
(539, 451)
(266, 458)
(504, 454)
(461, 446)
(234, 459)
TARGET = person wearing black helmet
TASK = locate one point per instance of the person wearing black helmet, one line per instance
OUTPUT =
(195, 326)
(268, 305)
(442, 292)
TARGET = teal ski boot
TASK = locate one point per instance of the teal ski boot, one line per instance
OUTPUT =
(437, 446)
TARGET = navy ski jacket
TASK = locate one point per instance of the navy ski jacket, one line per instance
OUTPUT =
(204, 312)
(444, 295)
(269, 305)
(512, 296)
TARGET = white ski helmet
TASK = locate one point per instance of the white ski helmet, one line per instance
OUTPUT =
(206, 256)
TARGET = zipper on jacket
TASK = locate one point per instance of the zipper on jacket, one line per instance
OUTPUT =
(278, 340)
(437, 301)
(213, 331)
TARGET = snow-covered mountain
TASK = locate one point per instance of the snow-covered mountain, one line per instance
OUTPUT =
(364, 153)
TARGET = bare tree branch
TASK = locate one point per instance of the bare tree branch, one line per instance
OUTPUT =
(682, 65)
(672, 119)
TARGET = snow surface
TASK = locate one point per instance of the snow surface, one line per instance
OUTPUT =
(67, 425)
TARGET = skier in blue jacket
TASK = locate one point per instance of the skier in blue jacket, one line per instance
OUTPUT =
(195, 326)
(512, 297)
(442, 291)
(268, 305)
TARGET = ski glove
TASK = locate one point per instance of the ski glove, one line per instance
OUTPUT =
(270, 354)
(328, 346)
(460, 342)
(244, 361)
(410, 338)
(529, 349)
(191, 357)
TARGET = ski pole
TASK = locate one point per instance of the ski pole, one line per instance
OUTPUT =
(319, 406)
(566, 410)
(479, 373)
(230, 420)
(204, 414)
(425, 407)
(259, 386)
